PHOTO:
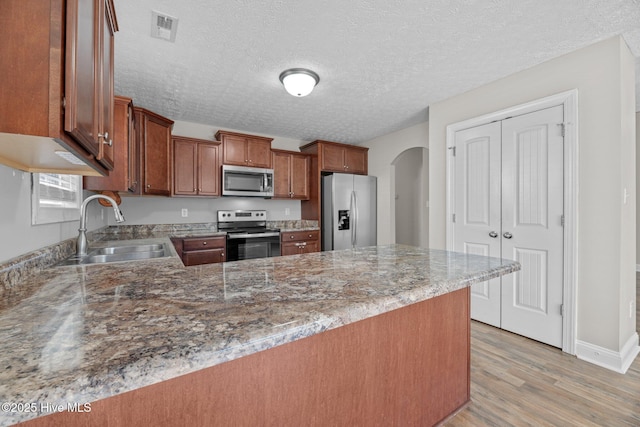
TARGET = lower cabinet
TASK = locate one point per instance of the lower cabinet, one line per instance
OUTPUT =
(201, 250)
(299, 242)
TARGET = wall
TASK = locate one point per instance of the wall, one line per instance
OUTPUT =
(637, 191)
(18, 235)
(382, 152)
(168, 210)
(602, 73)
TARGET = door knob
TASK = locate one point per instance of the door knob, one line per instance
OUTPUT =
(507, 235)
(493, 234)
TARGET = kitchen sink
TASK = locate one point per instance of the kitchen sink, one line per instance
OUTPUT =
(121, 253)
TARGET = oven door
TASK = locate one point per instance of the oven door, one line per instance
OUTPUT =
(248, 246)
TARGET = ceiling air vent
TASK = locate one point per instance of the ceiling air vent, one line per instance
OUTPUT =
(163, 26)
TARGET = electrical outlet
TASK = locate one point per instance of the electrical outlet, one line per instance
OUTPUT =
(185, 213)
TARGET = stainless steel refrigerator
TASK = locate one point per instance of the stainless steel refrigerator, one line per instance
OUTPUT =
(348, 211)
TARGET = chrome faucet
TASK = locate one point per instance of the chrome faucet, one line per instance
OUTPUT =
(81, 245)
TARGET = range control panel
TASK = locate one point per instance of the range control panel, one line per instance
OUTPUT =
(237, 216)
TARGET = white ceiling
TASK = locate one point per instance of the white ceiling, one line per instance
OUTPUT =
(381, 62)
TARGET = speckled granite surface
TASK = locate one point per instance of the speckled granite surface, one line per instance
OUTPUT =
(18, 269)
(79, 334)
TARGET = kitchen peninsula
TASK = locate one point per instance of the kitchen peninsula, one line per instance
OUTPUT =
(371, 336)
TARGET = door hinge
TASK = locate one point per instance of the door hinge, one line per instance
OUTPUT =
(64, 102)
(562, 220)
(453, 217)
(563, 129)
(561, 309)
(453, 150)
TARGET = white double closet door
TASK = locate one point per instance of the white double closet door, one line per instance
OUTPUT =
(508, 202)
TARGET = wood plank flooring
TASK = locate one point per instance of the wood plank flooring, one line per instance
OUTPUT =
(519, 382)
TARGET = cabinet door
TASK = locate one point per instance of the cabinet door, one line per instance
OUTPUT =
(258, 153)
(120, 178)
(82, 87)
(133, 161)
(184, 168)
(289, 248)
(106, 127)
(281, 175)
(234, 150)
(157, 156)
(355, 161)
(332, 158)
(300, 165)
(311, 246)
(208, 170)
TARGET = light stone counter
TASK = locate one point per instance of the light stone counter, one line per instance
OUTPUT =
(82, 333)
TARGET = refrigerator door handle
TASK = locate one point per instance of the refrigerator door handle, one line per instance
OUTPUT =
(354, 214)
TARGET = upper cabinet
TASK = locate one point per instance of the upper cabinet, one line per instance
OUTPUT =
(153, 134)
(291, 174)
(89, 76)
(342, 158)
(196, 167)
(57, 87)
(125, 174)
(245, 150)
(326, 157)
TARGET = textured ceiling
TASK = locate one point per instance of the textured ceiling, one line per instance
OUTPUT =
(381, 62)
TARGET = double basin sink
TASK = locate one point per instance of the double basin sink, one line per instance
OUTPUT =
(125, 252)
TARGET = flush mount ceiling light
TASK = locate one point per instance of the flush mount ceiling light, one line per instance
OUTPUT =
(299, 81)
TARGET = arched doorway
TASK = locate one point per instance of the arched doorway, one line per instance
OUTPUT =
(411, 197)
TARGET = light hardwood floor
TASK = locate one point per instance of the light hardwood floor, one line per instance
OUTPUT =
(519, 382)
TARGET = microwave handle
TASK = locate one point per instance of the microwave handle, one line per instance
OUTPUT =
(265, 182)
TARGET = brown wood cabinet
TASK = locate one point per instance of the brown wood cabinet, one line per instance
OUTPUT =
(245, 150)
(57, 79)
(201, 249)
(125, 174)
(336, 157)
(290, 174)
(153, 134)
(330, 157)
(196, 167)
(299, 242)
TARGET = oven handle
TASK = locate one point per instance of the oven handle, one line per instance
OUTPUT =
(251, 235)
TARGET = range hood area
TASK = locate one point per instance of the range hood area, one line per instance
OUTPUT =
(38, 154)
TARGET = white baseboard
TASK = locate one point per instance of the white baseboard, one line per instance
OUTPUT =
(613, 360)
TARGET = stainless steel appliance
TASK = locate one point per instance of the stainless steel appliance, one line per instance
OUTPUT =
(246, 181)
(348, 211)
(248, 235)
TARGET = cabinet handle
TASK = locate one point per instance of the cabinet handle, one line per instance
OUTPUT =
(204, 243)
(222, 254)
(493, 234)
(148, 185)
(309, 235)
(105, 137)
(507, 235)
(291, 237)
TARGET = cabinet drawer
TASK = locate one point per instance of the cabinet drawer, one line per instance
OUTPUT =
(208, 256)
(296, 236)
(201, 243)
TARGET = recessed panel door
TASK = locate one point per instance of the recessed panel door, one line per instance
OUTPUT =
(532, 230)
(478, 209)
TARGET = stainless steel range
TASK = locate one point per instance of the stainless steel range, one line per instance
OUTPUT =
(248, 235)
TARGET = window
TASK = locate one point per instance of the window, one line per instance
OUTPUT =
(55, 198)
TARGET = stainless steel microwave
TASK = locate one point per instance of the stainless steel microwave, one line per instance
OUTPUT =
(246, 181)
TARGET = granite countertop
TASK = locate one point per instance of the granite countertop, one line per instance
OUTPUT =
(77, 334)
